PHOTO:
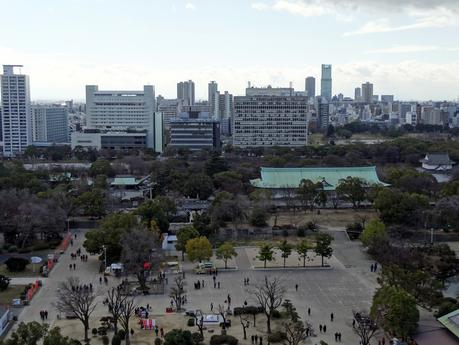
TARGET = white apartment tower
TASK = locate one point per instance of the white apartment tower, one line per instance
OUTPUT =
(16, 111)
(212, 90)
(121, 111)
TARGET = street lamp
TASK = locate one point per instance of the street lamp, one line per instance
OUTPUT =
(105, 255)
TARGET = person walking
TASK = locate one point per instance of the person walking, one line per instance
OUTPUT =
(296, 287)
(332, 317)
(339, 337)
(218, 284)
(162, 332)
(320, 328)
(211, 306)
(309, 311)
(324, 328)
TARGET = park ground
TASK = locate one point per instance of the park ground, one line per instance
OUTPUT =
(348, 285)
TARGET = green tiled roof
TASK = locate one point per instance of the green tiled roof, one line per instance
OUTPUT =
(451, 322)
(330, 177)
(125, 181)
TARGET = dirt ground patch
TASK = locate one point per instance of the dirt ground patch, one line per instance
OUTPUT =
(74, 328)
(13, 291)
(326, 218)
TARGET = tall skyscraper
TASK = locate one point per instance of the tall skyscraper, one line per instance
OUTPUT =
(322, 113)
(326, 82)
(212, 90)
(358, 94)
(16, 111)
(310, 87)
(367, 92)
(185, 92)
(50, 124)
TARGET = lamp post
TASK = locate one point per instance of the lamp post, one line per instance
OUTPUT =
(105, 255)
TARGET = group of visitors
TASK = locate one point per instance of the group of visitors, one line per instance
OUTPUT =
(43, 315)
(256, 339)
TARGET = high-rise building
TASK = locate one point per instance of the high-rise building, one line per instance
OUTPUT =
(16, 112)
(224, 110)
(310, 87)
(367, 93)
(195, 131)
(170, 108)
(322, 113)
(387, 98)
(326, 82)
(50, 124)
(212, 90)
(267, 120)
(357, 94)
(185, 92)
(122, 111)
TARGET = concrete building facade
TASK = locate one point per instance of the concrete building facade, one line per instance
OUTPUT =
(50, 124)
(310, 87)
(186, 92)
(267, 120)
(16, 111)
(326, 82)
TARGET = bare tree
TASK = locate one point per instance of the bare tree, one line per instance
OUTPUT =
(141, 254)
(364, 326)
(127, 311)
(199, 321)
(115, 304)
(76, 300)
(269, 295)
(177, 291)
(222, 311)
(244, 319)
(295, 332)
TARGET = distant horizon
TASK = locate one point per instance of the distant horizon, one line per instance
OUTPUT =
(408, 49)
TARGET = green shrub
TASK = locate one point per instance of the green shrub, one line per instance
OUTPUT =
(6, 246)
(250, 309)
(276, 314)
(116, 340)
(223, 339)
(16, 264)
(285, 233)
(190, 322)
(121, 334)
(105, 340)
(40, 246)
(301, 232)
(197, 338)
(4, 282)
(158, 341)
(277, 337)
(94, 331)
(12, 249)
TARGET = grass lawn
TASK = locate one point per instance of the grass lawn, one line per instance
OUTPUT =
(28, 272)
(13, 291)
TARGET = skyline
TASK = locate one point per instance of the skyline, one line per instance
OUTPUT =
(408, 49)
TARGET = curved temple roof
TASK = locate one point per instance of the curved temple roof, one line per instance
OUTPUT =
(277, 178)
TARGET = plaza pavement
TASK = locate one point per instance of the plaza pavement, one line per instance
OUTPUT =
(348, 286)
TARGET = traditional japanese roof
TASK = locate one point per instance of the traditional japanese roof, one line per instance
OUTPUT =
(451, 322)
(125, 181)
(437, 159)
(330, 176)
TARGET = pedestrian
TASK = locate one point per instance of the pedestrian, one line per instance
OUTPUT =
(132, 331)
(256, 338)
(203, 283)
(75, 236)
(324, 328)
(100, 280)
(261, 340)
(309, 311)
(353, 323)
(336, 336)
(331, 317)
(371, 268)
(218, 285)
(339, 336)
(247, 280)
(71, 243)
(320, 328)
(156, 331)
(215, 285)
(70, 267)
(74, 266)
(162, 332)
(252, 338)
(296, 287)
(376, 266)
(211, 306)
(46, 314)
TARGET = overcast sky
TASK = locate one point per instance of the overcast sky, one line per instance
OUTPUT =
(409, 48)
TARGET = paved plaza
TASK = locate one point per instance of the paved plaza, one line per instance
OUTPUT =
(348, 286)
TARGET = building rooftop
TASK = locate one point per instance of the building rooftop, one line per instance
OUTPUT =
(125, 180)
(451, 322)
(329, 176)
(437, 159)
